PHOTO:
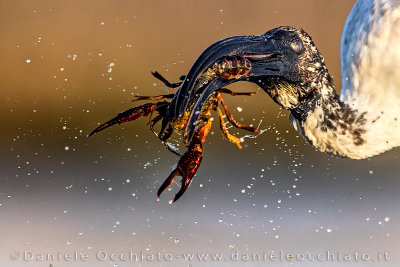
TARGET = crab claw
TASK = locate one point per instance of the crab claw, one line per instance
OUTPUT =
(128, 115)
(187, 168)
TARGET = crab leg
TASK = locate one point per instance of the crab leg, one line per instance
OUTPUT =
(130, 115)
(157, 97)
(230, 117)
(165, 81)
(188, 163)
(230, 92)
(230, 137)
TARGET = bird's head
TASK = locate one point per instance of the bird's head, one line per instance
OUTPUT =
(284, 62)
(295, 73)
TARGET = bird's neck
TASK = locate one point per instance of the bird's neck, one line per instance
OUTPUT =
(330, 125)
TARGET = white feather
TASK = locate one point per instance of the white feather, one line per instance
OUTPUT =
(370, 66)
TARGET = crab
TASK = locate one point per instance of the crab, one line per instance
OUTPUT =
(189, 162)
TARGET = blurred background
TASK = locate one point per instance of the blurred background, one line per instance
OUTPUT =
(66, 66)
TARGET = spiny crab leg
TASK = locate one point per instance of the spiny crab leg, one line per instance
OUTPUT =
(230, 92)
(130, 114)
(153, 98)
(157, 75)
(165, 81)
(229, 115)
(230, 137)
(188, 163)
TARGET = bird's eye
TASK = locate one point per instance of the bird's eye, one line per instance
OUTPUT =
(297, 46)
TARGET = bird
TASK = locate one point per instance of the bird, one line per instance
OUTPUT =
(361, 122)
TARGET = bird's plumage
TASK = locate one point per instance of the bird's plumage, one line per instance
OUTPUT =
(370, 67)
(365, 121)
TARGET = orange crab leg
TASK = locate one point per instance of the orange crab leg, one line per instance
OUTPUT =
(230, 92)
(153, 98)
(229, 115)
(188, 163)
(230, 137)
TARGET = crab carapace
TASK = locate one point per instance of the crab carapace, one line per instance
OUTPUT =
(226, 68)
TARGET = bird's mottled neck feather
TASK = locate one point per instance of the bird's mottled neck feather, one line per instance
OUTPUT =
(331, 125)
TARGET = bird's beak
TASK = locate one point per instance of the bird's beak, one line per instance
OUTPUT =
(260, 50)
